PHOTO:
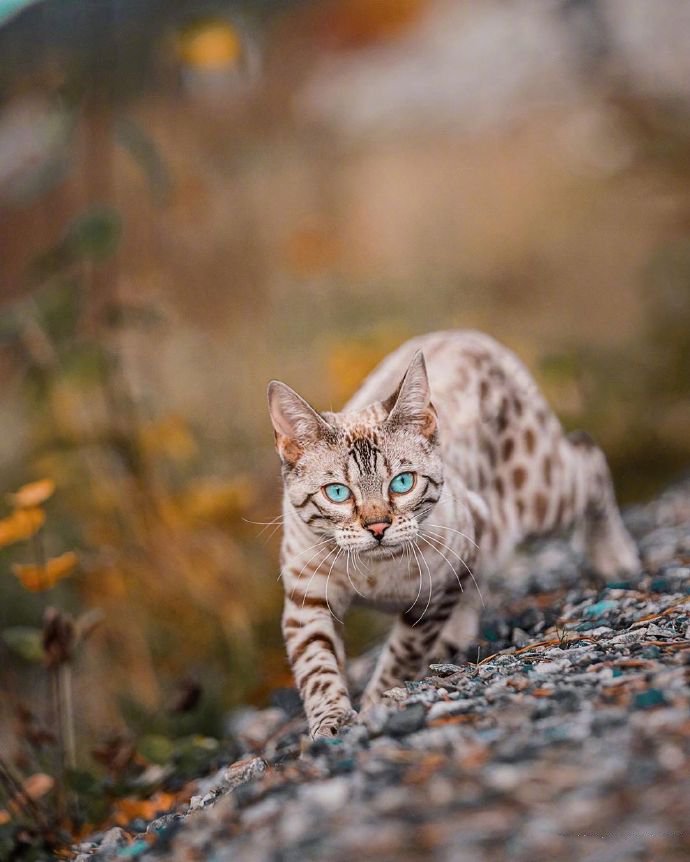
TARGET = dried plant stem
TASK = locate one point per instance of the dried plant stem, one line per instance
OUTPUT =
(67, 714)
(58, 709)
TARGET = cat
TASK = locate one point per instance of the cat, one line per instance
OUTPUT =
(445, 459)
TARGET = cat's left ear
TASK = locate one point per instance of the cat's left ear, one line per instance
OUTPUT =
(411, 403)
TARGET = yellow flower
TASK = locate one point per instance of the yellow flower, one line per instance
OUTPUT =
(38, 578)
(210, 45)
(21, 525)
(32, 494)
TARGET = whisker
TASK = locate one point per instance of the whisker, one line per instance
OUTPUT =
(298, 555)
(273, 531)
(277, 521)
(469, 570)
(347, 572)
(356, 559)
(431, 586)
(419, 591)
(263, 523)
(459, 532)
(427, 539)
(328, 577)
(306, 592)
(321, 550)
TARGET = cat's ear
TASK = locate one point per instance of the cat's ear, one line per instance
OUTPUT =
(295, 422)
(411, 403)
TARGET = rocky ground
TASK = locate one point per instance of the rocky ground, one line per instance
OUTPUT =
(568, 739)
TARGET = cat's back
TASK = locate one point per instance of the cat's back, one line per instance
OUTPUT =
(469, 372)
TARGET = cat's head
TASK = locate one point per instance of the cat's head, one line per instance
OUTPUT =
(366, 478)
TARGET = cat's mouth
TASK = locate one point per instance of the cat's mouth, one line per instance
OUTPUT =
(384, 550)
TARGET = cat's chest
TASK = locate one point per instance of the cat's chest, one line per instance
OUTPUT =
(393, 585)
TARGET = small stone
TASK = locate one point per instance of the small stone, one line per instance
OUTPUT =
(397, 694)
(547, 666)
(452, 707)
(329, 795)
(406, 720)
(136, 848)
(445, 669)
(374, 718)
(656, 631)
(520, 637)
(600, 608)
(618, 585)
(240, 772)
(160, 824)
(649, 699)
(114, 838)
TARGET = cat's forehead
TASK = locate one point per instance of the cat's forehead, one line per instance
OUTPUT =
(363, 423)
(369, 443)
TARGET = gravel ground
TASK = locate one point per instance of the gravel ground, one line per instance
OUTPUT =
(570, 741)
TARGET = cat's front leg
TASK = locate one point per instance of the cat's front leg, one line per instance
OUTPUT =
(316, 653)
(409, 645)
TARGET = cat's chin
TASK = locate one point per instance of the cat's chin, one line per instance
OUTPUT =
(383, 552)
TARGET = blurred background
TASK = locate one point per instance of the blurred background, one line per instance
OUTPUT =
(198, 196)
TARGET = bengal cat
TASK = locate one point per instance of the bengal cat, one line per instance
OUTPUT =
(445, 459)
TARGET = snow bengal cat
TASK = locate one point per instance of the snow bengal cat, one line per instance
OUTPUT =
(445, 459)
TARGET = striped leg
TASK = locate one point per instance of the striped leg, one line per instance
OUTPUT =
(410, 644)
(316, 653)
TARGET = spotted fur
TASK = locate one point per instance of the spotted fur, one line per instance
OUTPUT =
(491, 466)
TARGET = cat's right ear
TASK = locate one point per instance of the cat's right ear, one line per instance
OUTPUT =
(296, 423)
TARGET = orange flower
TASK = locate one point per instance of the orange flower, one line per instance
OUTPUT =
(37, 578)
(33, 494)
(21, 525)
(213, 44)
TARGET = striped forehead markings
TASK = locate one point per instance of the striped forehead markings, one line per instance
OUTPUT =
(364, 453)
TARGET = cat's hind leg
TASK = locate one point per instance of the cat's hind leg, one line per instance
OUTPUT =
(590, 504)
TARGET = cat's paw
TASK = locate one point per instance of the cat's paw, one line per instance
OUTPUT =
(615, 558)
(329, 725)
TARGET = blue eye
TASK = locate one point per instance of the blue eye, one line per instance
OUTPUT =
(402, 483)
(337, 493)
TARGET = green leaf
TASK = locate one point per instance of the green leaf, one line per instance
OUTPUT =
(83, 782)
(156, 748)
(95, 234)
(59, 308)
(195, 753)
(25, 641)
(84, 362)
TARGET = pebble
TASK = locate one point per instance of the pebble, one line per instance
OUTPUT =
(406, 720)
(113, 838)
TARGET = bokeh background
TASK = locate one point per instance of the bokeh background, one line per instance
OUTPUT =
(197, 197)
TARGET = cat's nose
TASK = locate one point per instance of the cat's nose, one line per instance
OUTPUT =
(378, 528)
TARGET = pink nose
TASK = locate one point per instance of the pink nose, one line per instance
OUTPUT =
(378, 528)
